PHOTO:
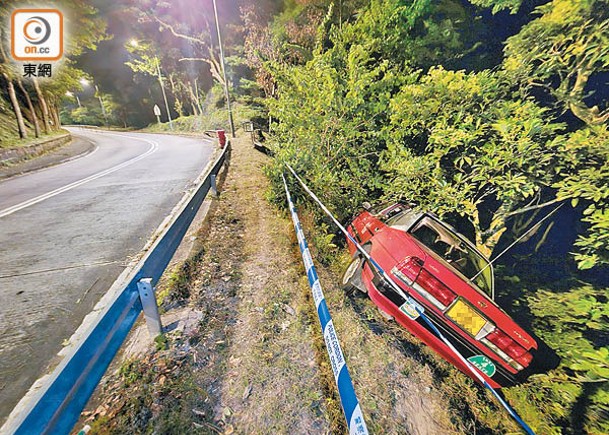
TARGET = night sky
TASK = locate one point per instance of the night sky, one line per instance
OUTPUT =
(138, 92)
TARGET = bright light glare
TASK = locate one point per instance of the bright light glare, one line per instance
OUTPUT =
(84, 82)
(134, 43)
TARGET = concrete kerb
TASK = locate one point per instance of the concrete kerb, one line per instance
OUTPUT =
(16, 155)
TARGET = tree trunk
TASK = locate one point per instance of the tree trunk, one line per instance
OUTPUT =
(54, 111)
(16, 108)
(193, 99)
(43, 105)
(30, 107)
(193, 108)
(480, 243)
(590, 115)
(11, 92)
(197, 98)
(179, 104)
(215, 67)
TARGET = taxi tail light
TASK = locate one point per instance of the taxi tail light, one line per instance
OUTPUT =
(509, 346)
(436, 289)
(410, 268)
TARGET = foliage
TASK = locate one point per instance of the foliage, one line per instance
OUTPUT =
(214, 116)
(586, 177)
(91, 112)
(562, 50)
(333, 109)
(573, 323)
(417, 34)
(39, 101)
(360, 121)
(375, 109)
(499, 5)
(146, 59)
(330, 124)
(458, 143)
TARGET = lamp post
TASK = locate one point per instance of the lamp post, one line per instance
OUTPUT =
(230, 112)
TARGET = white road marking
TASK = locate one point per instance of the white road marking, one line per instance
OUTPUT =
(153, 147)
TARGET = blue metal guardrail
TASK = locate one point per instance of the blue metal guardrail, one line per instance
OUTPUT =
(57, 406)
(351, 408)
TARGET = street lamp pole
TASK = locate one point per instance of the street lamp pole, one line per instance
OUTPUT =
(158, 69)
(230, 112)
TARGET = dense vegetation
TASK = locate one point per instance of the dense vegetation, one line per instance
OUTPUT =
(490, 114)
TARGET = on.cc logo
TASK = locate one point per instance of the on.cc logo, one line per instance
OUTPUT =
(37, 35)
(36, 30)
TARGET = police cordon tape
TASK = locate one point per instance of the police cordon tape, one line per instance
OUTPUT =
(413, 304)
(348, 399)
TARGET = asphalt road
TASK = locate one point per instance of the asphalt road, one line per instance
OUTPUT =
(66, 233)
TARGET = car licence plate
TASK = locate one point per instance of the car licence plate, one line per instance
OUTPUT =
(465, 316)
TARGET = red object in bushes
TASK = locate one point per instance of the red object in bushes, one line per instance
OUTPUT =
(449, 280)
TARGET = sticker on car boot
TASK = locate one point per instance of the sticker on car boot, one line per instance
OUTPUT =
(483, 364)
(410, 308)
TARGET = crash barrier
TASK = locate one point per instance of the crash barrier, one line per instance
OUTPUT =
(56, 406)
(348, 399)
(410, 301)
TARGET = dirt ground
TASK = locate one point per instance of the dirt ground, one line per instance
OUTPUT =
(250, 358)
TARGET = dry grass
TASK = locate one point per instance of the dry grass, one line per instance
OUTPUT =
(257, 361)
(251, 365)
(272, 383)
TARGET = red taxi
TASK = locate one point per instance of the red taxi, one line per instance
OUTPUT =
(449, 280)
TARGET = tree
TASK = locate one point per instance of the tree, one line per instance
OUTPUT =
(561, 50)
(8, 73)
(586, 177)
(499, 5)
(178, 43)
(329, 127)
(333, 109)
(30, 105)
(459, 143)
(87, 29)
(51, 92)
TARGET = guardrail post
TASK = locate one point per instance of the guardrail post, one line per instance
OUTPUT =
(61, 396)
(151, 310)
(214, 187)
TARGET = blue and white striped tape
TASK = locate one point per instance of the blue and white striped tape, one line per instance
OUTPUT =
(392, 283)
(351, 408)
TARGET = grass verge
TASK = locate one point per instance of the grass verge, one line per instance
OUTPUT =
(255, 360)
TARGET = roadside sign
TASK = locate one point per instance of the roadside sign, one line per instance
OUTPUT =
(157, 110)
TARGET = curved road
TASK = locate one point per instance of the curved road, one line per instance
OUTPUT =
(66, 233)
